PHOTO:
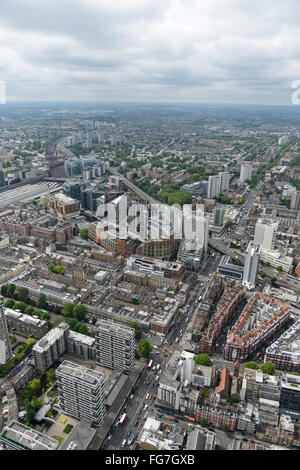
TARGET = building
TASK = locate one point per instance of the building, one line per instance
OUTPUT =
(295, 201)
(228, 269)
(246, 172)
(265, 233)
(191, 254)
(81, 392)
(26, 324)
(251, 266)
(2, 177)
(50, 347)
(115, 345)
(285, 351)
(5, 347)
(218, 216)
(17, 436)
(225, 177)
(290, 392)
(63, 207)
(223, 389)
(261, 318)
(214, 186)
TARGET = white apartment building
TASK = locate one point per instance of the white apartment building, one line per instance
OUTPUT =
(5, 348)
(251, 266)
(246, 172)
(81, 392)
(115, 345)
(265, 233)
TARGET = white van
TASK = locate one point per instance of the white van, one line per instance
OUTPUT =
(123, 443)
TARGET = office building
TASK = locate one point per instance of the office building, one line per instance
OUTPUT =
(265, 233)
(81, 392)
(290, 392)
(227, 268)
(5, 348)
(246, 172)
(115, 345)
(63, 207)
(295, 200)
(251, 266)
(225, 177)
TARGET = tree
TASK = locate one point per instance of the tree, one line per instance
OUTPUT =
(229, 224)
(79, 312)
(30, 341)
(203, 360)
(46, 316)
(20, 306)
(9, 303)
(144, 348)
(251, 365)
(51, 375)
(225, 427)
(42, 301)
(268, 368)
(279, 269)
(29, 310)
(84, 233)
(23, 294)
(35, 386)
(263, 275)
(203, 422)
(82, 329)
(67, 310)
(4, 290)
(11, 289)
(137, 328)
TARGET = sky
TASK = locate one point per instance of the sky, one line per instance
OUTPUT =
(196, 51)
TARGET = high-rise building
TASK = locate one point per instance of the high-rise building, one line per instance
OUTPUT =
(115, 345)
(246, 172)
(218, 216)
(265, 233)
(5, 348)
(214, 186)
(89, 140)
(202, 233)
(81, 392)
(295, 200)
(225, 180)
(251, 265)
(2, 177)
(50, 347)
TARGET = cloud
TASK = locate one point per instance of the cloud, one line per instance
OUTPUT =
(211, 51)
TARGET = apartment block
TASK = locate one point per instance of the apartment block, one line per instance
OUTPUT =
(115, 345)
(5, 348)
(81, 392)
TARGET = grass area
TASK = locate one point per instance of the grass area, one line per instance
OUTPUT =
(68, 428)
(58, 438)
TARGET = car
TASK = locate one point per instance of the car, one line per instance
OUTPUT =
(136, 422)
(146, 407)
(252, 441)
(150, 397)
(245, 439)
(147, 396)
(147, 382)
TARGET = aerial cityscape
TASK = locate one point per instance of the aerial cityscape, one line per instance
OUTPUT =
(149, 273)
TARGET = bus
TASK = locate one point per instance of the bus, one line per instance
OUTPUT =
(189, 418)
(123, 419)
(150, 364)
(165, 411)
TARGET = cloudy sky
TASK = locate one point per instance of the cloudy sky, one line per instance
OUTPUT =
(209, 51)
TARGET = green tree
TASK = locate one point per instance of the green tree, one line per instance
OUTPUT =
(9, 303)
(84, 233)
(67, 310)
(229, 224)
(251, 365)
(137, 328)
(23, 294)
(11, 288)
(51, 375)
(42, 301)
(225, 427)
(263, 275)
(4, 290)
(279, 269)
(79, 312)
(35, 386)
(203, 422)
(82, 329)
(268, 368)
(203, 360)
(29, 310)
(20, 306)
(144, 348)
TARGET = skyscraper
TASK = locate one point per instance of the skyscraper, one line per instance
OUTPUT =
(5, 348)
(225, 180)
(251, 265)
(265, 233)
(81, 392)
(2, 177)
(115, 345)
